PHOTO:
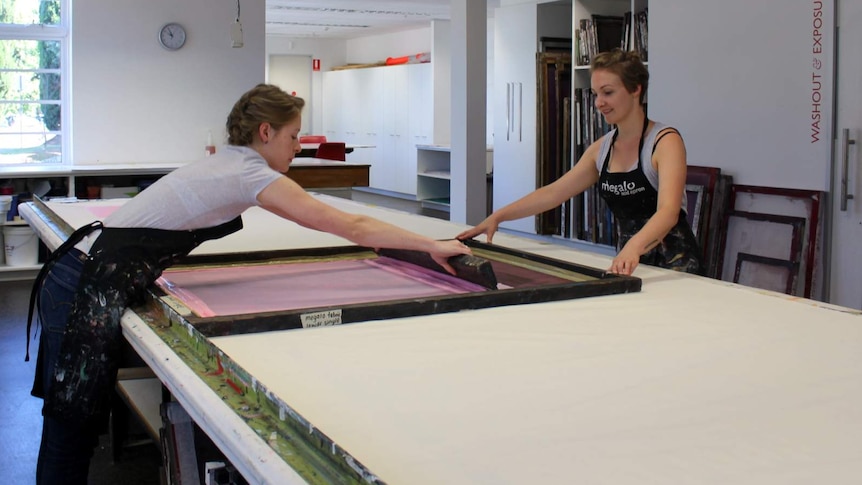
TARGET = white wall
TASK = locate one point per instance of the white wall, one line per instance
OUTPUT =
(554, 20)
(441, 84)
(331, 52)
(489, 102)
(376, 48)
(338, 52)
(735, 77)
(135, 102)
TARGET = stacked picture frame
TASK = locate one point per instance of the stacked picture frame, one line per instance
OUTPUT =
(708, 199)
(780, 236)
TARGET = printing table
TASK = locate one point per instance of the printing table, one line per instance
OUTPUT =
(691, 380)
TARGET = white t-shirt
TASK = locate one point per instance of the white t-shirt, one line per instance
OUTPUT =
(205, 193)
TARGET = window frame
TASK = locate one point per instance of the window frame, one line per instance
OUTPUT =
(60, 33)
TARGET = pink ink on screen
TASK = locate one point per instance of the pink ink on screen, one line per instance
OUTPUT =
(236, 290)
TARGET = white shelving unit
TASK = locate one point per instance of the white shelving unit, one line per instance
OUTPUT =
(24, 178)
(585, 226)
(433, 175)
(17, 272)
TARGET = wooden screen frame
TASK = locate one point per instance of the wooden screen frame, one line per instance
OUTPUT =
(813, 223)
(797, 228)
(554, 81)
(792, 268)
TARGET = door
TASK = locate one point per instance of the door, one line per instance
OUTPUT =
(845, 283)
(333, 108)
(293, 74)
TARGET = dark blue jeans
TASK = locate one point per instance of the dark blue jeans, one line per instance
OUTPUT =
(64, 456)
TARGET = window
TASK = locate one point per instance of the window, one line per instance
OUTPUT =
(34, 53)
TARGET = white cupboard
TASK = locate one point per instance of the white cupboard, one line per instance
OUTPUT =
(515, 41)
(396, 130)
(388, 107)
(362, 115)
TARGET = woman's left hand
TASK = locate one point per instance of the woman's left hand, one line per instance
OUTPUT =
(625, 262)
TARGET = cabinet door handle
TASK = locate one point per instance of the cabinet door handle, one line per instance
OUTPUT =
(508, 109)
(846, 141)
(520, 111)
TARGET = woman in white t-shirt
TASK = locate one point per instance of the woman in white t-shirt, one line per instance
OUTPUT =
(83, 288)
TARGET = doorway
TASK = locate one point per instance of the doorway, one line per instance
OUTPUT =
(292, 73)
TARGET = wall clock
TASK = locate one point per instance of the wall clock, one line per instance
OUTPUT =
(172, 36)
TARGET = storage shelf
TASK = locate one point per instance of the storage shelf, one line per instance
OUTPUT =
(437, 174)
(441, 204)
(143, 396)
(5, 268)
(66, 180)
(17, 273)
(37, 171)
(586, 218)
(586, 67)
(435, 148)
(73, 179)
(434, 175)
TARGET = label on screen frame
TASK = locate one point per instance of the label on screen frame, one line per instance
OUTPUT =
(321, 319)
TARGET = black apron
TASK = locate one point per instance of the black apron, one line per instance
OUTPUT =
(633, 201)
(121, 264)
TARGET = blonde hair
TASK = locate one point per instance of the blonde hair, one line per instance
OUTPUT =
(264, 103)
(625, 64)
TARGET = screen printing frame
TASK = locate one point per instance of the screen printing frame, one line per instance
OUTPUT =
(598, 283)
(312, 454)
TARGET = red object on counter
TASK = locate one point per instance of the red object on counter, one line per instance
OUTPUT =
(414, 59)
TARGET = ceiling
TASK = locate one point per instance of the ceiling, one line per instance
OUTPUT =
(345, 19)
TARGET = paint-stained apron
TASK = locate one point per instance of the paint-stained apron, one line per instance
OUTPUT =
(121, 264)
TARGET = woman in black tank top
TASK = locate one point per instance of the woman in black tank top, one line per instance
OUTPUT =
(650, 222)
